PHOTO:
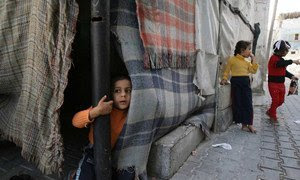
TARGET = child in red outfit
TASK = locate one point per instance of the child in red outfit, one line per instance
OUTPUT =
(276, 76)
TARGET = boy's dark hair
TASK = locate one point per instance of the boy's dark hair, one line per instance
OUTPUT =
(281, 46)
(118, 78)
(241, 45)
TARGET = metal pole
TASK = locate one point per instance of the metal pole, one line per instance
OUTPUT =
(216, 126)
(100, 54)
(256, 34)
(271, 29)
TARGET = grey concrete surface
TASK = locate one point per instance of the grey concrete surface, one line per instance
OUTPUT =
(169, 152)
(273, 153)
(224, 97)
(224, 111)
(224, 119)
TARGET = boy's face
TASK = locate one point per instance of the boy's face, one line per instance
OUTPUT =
(122, 94)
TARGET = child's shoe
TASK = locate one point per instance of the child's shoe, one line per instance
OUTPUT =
(273, 119)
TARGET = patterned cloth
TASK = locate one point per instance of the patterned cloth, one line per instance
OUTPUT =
(167, 29)
(161, 99)
(204, 117)
(35, 44)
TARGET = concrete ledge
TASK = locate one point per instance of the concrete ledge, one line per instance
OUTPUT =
(224, 99)
(224, 119)
(170, 152)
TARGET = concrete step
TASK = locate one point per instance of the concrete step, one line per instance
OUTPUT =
(224, 98)
(170, 152)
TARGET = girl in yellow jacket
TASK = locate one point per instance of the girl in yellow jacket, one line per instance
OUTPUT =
(239, 69)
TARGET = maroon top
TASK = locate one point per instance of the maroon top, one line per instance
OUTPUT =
(277, 69)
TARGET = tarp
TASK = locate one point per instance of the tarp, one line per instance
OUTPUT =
(207, 30)
(232, 29)
(161, 99)
(35, 46)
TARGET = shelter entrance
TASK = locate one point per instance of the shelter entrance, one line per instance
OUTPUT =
(78, 93)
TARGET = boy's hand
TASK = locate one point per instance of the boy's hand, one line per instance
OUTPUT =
(103, 108)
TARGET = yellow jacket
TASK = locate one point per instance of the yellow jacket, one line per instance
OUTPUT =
(238, 66)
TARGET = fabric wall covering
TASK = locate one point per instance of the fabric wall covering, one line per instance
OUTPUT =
(35, 44)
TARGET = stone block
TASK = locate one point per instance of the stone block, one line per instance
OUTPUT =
(170, 152)
(270, 174)
(269, 163)
(291, 162)
(291, 173)
(285, 145)
(224, 120)
(288, 153)
(224, 99)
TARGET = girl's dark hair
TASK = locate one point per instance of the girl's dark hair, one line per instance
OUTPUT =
(281, 46)
(118, 78)
(240, 46)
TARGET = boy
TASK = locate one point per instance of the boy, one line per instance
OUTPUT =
(117, 108)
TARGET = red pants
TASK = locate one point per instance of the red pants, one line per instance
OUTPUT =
(277, 92)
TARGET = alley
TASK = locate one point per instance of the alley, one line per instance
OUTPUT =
(272, 153)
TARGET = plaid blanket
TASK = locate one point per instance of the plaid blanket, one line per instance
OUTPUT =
(204, 117)
(35, 44)
(161, 99)
(167, 29)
